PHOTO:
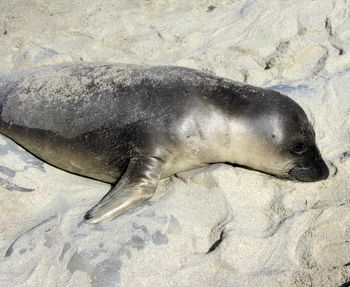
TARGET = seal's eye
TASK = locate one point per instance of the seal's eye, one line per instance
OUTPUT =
(299, 149)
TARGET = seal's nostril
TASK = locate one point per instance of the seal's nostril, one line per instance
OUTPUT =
(323, 169)
(325, 172)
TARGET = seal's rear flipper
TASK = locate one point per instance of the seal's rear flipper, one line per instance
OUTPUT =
(137, 184)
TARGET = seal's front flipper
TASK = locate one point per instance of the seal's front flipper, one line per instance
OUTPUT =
(137, 184)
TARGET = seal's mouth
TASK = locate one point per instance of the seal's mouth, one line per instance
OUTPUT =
(316, 171)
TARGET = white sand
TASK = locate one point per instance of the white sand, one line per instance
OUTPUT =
(275, 233)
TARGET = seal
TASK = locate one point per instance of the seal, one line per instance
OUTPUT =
(132, 125)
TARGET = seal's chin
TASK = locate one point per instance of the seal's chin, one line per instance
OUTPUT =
(315, 171)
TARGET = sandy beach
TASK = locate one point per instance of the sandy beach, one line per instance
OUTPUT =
(214, 226)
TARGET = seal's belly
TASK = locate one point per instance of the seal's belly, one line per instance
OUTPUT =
(65, 154)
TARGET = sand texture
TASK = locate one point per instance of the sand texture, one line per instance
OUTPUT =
(216, 226)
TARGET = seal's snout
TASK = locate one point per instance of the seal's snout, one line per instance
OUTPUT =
(315, 171)
(323, 169)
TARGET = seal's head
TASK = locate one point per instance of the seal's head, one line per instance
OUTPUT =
(282, 140)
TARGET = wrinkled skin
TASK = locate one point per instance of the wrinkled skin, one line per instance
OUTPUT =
(132, 125)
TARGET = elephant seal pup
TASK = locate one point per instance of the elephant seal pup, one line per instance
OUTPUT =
(132, 125)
